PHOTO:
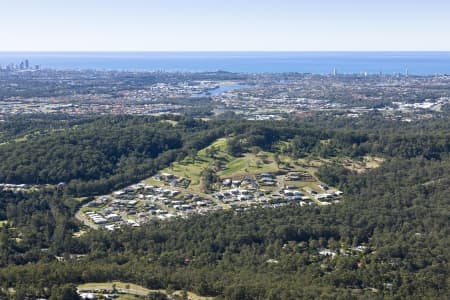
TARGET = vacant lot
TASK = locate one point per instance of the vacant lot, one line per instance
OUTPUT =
(130, 290)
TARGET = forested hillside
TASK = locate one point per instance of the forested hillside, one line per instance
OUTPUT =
(388, 239)
(110, 150)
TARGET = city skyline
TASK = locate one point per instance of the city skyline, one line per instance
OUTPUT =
(200, 25)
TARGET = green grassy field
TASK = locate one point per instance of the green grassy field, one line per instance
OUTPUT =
(85, 209)
(228, 166)
(250, 164)
(80, 199)
(109, 285)
(171, 122)
(191, 167)
(216, 157)
(231, 166)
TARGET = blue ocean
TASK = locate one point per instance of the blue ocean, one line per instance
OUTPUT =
(417, 63)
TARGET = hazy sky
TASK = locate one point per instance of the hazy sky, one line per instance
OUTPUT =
(175, 25)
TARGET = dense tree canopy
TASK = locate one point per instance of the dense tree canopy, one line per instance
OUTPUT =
(390, 232)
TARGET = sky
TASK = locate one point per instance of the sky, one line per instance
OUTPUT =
(224, 25)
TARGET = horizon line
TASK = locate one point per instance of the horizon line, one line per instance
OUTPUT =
(215, 51)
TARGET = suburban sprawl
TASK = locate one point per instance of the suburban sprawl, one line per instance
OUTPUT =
(217, 185)
(141, 202)
(253, 96)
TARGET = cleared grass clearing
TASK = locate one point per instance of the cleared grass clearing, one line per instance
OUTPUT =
(151, 181)
(129, 297)
(219, 144)
(191, 171)
(79, 233)
(364, 165)
(171, 122)
(194, 296)
(118, 284)
(192, 167)
(250, 164)
(80, 199)
(237, 167)
(85, 209)
(135, 288)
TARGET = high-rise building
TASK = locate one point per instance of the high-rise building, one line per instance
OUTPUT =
(27, 64)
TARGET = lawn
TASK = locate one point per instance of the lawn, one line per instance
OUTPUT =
(188, 170)
(85, 209)
(250, 164)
